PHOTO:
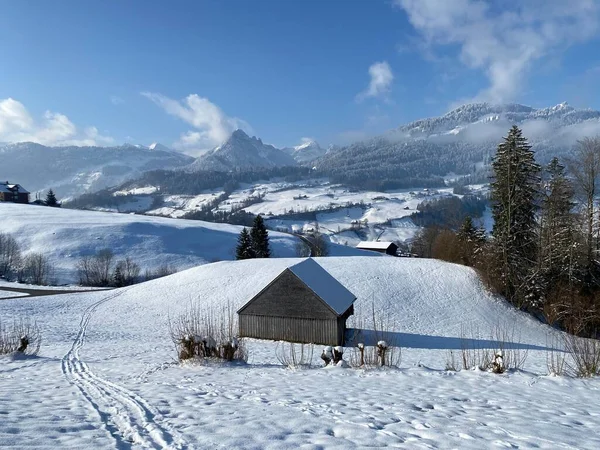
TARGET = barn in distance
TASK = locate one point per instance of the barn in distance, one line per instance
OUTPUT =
(389, 248)
(304, 303)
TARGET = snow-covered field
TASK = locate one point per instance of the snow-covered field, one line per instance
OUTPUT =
(359, 215)
(64, 235)
(107, 372)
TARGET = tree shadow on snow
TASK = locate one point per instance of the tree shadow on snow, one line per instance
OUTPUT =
(410, 340)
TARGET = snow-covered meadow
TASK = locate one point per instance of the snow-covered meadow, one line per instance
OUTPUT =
(357, 215)
(107, 372)
(65, 235)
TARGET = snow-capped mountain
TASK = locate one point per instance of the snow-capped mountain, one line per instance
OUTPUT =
(475, 115)
(461, 141)
(305, 152)
(159, 147)
(241, 151)
(72, 171)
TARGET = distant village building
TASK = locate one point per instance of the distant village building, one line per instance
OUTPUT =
(304, 303)
(389, 248)
(14, 193)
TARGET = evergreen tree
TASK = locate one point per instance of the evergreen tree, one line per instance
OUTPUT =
(119, 277)
(557, 224)
(260, 238)
(244, 249)
(51, 198)
(514, 193)
(472, 240)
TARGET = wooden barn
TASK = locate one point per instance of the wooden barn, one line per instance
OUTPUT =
(389, 248)
(13, 193)
(304, 303)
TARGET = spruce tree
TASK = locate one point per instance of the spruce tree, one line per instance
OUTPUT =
(514, 195)
(260, 238)
(119, 277)
(51, 198)
(557, 228)
(244, 248)
(471, 239)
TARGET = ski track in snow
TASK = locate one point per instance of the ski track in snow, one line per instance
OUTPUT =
(128, 417)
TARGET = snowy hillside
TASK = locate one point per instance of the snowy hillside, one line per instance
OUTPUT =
(474, 115)
(107, 372)
(241, 151)
(65, 235)
(72, 171)
(346, 216)
(462, 141)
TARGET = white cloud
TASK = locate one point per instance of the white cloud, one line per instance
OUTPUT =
(211, 125)
(503, 40)
(17, 125)
(381, 81)
(116, 100)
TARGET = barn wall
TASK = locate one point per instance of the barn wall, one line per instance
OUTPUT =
(303, 330)
(287, 296)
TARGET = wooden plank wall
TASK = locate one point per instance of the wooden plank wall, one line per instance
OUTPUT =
(303, 330)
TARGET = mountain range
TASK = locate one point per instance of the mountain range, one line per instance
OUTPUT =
(461, 141)
(419, 153)
(72, 171)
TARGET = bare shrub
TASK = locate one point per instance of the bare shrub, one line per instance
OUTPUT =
(96, 270)
(294, 356)
(372, 333)
(22, 336)
(451, 362)
(200, 333)
(10, 255)
(585, 356)
(36, 269)
(126, 272)
(506, 354)
(474, 353)
(508, 345)
(302, 249)
(159, 272)
(555, 357)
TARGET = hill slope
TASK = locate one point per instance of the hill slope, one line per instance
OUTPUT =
(65, 235)
(107, 371)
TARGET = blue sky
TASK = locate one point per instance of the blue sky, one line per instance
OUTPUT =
(185, 73)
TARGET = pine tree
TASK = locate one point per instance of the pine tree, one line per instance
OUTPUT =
(260, 238)
(244, 248)
(51, 198)
(514, 193)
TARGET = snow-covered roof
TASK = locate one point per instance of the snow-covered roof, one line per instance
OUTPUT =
(330, 290)
(6, 187)
(376, 245)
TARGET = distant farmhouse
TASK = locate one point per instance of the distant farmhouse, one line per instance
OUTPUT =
(304, 303)
(14, 193)
(389, 248)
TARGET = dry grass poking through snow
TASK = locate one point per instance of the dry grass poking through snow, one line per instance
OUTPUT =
(502, 352)
(294, 356)
(21, 336)
(200, 333)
